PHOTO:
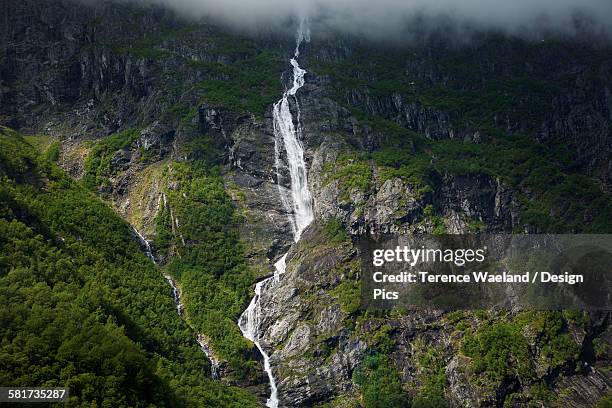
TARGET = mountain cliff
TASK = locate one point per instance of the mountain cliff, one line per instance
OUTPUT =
(170, 122)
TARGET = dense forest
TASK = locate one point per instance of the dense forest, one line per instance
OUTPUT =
(82, 306)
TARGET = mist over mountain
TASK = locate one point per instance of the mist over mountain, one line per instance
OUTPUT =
(399, 19)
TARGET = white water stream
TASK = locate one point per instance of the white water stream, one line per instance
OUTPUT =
(176, 294)
(299, 205)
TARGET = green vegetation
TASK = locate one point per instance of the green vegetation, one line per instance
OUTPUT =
(552, 196)
(558, 201)
(476, 226)
(40, 142)
(53, 151)
(501, 350)
(602, 348)
(556, 346)
(426, 401)
(380, 383)
(152, 45)
(498, 351)
(605, 402)
(348, 292)
(547, 179)
(49, 147)
(431, 375)
(236, 72)
(437, 221)
(204, 250)
(247, 85)
(335, 231)
(210, 265)
(473, 92)
(540, 391)
(147, 48)
(98, 163)
(203, 151)
(397, 163)
(352, 170)
(162, 241)
(81, 305)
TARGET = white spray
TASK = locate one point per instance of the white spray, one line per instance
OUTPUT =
(287, 137)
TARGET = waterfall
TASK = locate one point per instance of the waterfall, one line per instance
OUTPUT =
(146, 245)
(249, 325)
(176, 295)
(287, 137)
(203, 341)
(279, 268)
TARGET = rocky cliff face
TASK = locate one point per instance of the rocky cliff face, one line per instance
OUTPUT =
(317, 339)
(78, 74)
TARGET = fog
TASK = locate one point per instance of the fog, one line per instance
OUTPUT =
(396, 18)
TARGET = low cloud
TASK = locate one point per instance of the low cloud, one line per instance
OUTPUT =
(383, 18)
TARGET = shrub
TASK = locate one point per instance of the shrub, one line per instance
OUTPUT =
(98, 162)
(380, 383)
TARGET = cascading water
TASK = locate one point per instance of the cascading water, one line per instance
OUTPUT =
(147, 246)
(287, 137)
(214, 362)
(176, 294)
(249, 325)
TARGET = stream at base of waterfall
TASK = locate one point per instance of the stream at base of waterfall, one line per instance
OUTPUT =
(287, 138)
